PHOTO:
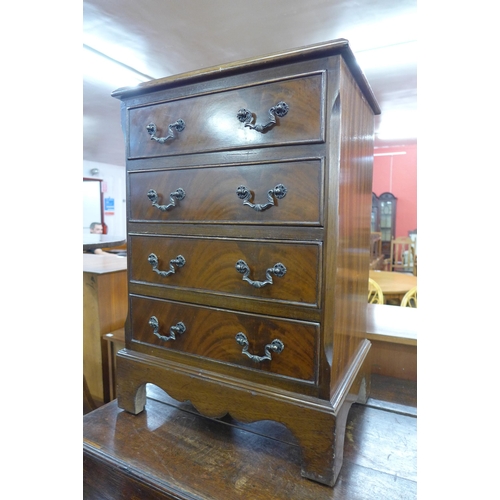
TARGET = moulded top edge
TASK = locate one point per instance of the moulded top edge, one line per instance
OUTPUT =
(330, 48)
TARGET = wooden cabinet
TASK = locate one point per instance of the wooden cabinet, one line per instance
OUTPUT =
(249, 194)
(105, 308)
(384, 219)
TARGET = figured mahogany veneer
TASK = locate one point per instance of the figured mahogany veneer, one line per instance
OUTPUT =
(210, 266)
(211, 193)
(249, 243)
(210, 118)
(211, 333)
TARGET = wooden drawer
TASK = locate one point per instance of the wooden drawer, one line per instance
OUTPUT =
(211, 120)
(210, 265)
(216, 194)
(211, 333)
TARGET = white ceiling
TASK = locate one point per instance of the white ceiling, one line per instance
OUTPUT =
(158, 38)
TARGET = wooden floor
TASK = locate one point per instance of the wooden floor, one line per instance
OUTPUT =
(195, 457)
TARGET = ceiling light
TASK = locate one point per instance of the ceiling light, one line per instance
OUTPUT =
(98, 66)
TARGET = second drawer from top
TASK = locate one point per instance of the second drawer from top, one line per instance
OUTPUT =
(273, 193)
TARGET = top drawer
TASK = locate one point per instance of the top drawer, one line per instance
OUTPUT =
(211, 122)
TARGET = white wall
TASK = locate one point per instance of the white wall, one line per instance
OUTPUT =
(113, 177)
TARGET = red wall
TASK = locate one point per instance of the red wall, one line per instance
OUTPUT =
(397, 174)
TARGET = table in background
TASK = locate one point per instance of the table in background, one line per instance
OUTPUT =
(93, 241)
(394, 284)
(105, 307)
(393, 334)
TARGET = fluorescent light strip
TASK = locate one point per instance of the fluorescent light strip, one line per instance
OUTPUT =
(390, 154)
(107, 69)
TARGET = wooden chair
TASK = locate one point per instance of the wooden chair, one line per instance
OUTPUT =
(414, 257)
(376, 256)
(400, 255)
(375, 294)
(410, 298)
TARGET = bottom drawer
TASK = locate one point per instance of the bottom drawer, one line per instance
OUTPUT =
(275, 345)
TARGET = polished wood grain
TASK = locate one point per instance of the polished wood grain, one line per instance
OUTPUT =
(211, 193)
(330, 124)
(210, 266)
(193, 457)
(318, 426)
(347, 240)
(211, 333)
(212, 123)
(289, 56)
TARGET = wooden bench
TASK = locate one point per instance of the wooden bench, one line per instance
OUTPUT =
(170, 452)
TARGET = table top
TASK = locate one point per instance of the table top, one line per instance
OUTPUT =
(103, 263)
(392, 324)
(393, 282)
(93, 241)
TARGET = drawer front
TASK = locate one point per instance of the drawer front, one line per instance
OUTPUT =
(211, 265)
(211, 333)
(211, 121)
(275, 193)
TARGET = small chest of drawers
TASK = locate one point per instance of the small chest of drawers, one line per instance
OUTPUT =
(249, 202)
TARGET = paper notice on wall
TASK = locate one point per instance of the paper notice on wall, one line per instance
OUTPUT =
(109, 206)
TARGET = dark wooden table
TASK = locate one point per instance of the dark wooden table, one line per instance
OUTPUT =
(171, 452)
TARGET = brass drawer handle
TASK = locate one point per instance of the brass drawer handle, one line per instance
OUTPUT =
(244, 194)
(179, 261)
(278, 270)
(179, 328)
(179, 126)
(245, 116)
(275, 346)
(178, 194)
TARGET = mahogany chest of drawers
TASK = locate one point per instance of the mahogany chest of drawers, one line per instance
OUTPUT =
(248, 205)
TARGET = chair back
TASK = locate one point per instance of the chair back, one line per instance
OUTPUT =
(376, 255)
(410, 298)
(401, 258)
(375, 294)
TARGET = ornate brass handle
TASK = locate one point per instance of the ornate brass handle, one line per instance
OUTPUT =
(179, 261)
(178, 194)
(179, 126)
(275, 346)
(245, 116)
(179, 328)
(278, 270)
(244, 194)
